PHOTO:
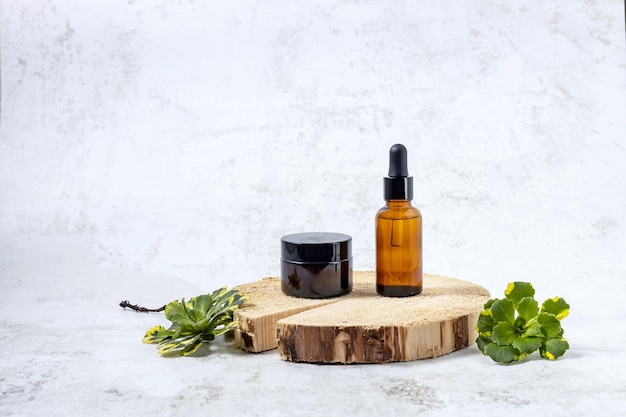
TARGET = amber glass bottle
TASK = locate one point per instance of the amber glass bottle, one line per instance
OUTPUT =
(398, 233)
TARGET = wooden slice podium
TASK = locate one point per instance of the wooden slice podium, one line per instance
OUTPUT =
(361, 327)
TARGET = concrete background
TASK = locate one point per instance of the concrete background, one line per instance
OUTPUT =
(153, 150)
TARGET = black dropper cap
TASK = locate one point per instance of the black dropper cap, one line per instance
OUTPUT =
(398, 185)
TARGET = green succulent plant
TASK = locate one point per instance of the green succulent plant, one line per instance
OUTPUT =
(195, 322)
(511, 328)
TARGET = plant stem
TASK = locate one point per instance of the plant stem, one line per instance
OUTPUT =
(126, 304)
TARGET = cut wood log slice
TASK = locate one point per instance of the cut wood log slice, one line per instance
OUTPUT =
(361, 327)
(375, 329)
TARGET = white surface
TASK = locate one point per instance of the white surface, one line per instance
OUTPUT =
(154, 150)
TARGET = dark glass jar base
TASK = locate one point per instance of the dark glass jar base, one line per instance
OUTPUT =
(398, 290)
(327, 280)
(288, 290)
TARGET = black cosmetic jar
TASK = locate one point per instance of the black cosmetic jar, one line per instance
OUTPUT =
(316, 265)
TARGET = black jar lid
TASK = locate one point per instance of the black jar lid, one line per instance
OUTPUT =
(318, 247)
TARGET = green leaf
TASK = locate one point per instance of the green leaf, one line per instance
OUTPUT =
(553, 348)
(182, 320)
(192, 348)
(556, 306)
(532, 329)
(156, 335)
(174, 309)
(550, 325)
(489, 303)
(503, 310)
(202, 303)
(178, 330)
(225, 303)
(175, 347)
(485, 324)
(195, 315)
(219, 297)
(528, 308)
(520, 323)
(503, 354)
(481, 342)
(228, 327)
(503, 334)
(185, 305)
(515, 291)
(527, 344)
(219, 293)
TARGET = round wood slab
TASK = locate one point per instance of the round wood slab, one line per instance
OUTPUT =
(361, 327)
(368, 328)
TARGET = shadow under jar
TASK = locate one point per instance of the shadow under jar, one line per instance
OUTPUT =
(316, 265)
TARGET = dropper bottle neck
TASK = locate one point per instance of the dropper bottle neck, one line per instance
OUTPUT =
(398, 185)
(398, 203)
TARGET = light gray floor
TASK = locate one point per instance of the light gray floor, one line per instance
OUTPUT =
(72, 351)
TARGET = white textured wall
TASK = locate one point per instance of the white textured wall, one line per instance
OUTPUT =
(174, 142)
